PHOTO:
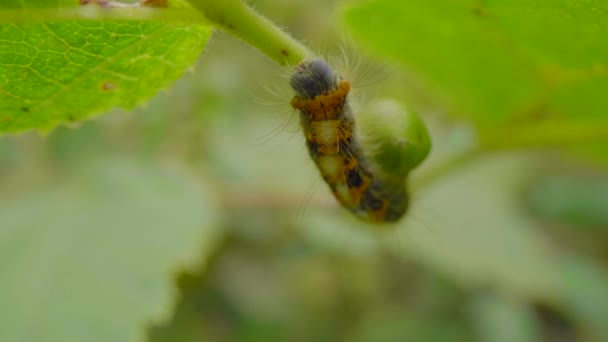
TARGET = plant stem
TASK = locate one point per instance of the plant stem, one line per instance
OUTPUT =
(446, 168)
(538, 136)
(237, 18)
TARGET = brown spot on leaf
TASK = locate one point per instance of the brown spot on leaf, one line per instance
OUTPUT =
(108, 86)
(285, 52)
(154, 3)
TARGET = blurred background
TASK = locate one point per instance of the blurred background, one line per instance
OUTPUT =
(501, 246)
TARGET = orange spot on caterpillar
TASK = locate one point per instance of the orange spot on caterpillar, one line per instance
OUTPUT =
(323, 106)
(285, 52)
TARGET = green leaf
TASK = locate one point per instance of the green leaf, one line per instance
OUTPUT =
(495, 61)
(487, 238)
(504, 319)
(471, 227)
(93, 259)
(492, 244)
(65, 71)
(571, 199)
(584, 286)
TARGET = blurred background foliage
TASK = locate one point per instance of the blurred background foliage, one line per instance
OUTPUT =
(504, 246)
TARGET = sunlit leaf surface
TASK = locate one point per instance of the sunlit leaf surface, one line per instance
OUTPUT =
(65, 71)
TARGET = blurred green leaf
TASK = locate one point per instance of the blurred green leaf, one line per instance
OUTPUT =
(64, 71)
(404, 326)
(575, 200)
(484, 240)
(93, 259)
(584, 294)
(487, 238)
(596, 153)
(504, 319)
(497, 60)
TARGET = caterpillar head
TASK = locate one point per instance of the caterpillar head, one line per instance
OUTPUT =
(313, 77)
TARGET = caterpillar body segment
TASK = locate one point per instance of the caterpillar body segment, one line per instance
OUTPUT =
(329, 127)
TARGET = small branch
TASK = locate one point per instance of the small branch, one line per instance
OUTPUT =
(550, 134)
(430, 176)
(237, 18)
(275, 200)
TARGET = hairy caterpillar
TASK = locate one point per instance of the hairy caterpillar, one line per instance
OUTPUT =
(329, 127)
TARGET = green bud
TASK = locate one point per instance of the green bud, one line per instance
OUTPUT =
(396, 139)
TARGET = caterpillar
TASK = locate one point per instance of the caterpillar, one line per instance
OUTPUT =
(327, 119)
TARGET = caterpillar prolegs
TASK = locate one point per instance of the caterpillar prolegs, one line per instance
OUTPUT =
(355, 178)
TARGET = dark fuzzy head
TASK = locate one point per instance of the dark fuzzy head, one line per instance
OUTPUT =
(313, 77)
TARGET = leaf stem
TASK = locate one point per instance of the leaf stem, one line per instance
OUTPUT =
(237, 18)
(544, 135)
(436, 173)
